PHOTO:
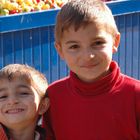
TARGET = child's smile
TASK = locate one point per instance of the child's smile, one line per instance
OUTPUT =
(17, 102)
(14, 111)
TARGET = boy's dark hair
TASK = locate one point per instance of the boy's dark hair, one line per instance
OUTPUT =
(27, 73)
(79, 13)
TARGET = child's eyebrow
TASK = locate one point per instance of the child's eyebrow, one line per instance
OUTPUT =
(3, 89)
(19, 86)
(23, 86)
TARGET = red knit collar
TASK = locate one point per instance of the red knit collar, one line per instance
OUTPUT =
(101, 86)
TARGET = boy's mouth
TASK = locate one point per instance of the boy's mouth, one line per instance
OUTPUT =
(89, 65)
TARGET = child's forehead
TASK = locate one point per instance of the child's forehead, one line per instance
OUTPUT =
(14, 83)
(22, 78)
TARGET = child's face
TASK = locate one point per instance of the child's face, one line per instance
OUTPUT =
(88, 51)
(20, 104)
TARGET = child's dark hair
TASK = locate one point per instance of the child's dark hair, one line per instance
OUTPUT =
(27, 73)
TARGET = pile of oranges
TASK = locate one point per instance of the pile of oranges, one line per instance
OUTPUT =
(8, 7)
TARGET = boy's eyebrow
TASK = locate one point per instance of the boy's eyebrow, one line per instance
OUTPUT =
(95, 38)
(99, 37)
(71, 41)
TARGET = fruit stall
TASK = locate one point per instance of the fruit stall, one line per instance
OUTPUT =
(27, 35)
(9, 7)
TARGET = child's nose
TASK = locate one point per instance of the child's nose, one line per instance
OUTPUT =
(13, 100)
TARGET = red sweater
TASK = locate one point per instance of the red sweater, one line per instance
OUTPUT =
(108, 109)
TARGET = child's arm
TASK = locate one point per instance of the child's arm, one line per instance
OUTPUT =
(47, 125)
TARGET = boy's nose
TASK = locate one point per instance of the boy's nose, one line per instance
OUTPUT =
(88, 54)
(92, 55)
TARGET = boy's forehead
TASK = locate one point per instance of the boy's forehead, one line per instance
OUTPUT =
(98, 26)
(86, 34)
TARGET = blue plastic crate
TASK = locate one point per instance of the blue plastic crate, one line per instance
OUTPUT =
(29, 38)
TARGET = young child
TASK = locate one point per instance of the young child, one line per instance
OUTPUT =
(96, 101)
(22, 102)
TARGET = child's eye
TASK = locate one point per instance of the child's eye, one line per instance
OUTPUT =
(3, 97)
(24, 93)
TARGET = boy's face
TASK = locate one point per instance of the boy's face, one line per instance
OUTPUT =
(20, 104)
(88, 51)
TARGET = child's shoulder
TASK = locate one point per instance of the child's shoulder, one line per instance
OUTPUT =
(3, 135)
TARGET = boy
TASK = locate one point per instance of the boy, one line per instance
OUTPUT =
(96, 101)
(22, 102)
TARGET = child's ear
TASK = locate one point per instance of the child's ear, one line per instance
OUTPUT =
(59, 50)
(116, 43)
(44, 105)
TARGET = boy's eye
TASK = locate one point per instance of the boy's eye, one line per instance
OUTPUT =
(74, 46)
(99, 42)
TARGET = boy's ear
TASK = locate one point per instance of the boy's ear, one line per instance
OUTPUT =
(116, 43)
(44, 105)
(59, 50)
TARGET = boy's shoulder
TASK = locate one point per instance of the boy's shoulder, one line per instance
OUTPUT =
(132, 82)
(131, 79)
(61, 83)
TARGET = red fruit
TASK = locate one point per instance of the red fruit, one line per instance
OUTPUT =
(32, 9)
(13, 11)
(37, 1)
